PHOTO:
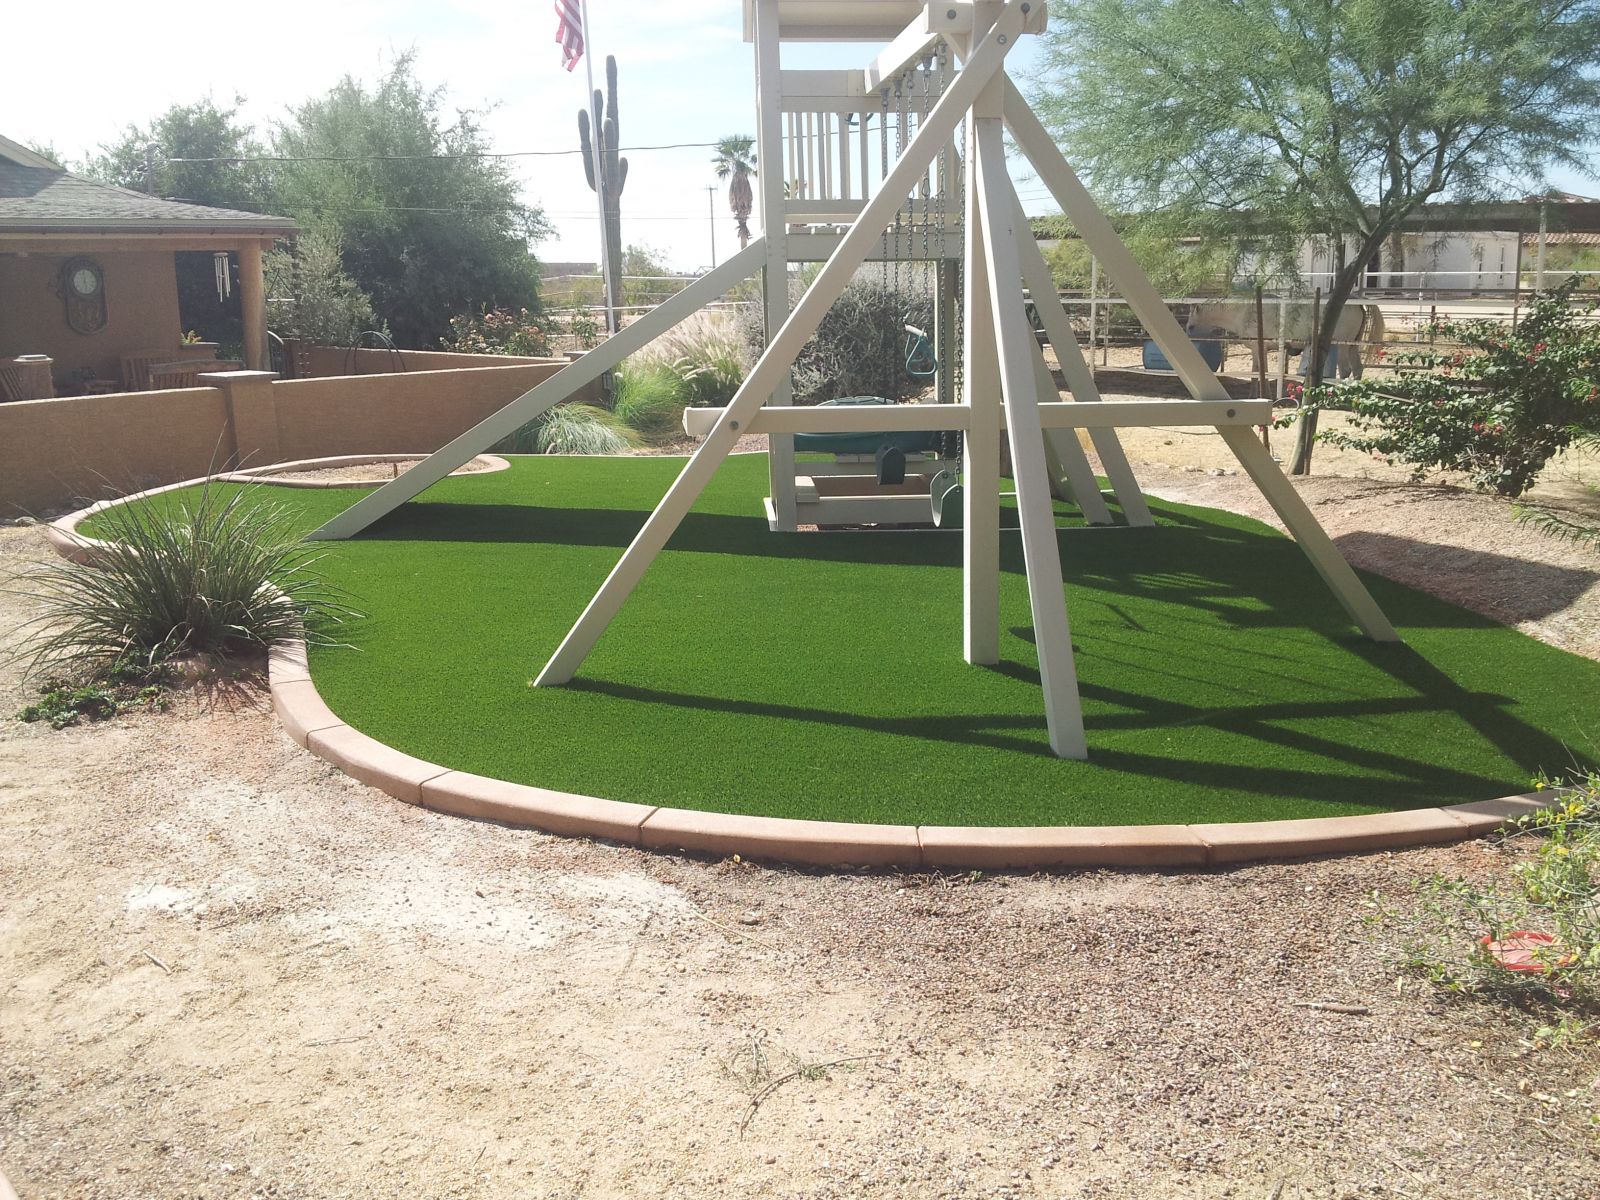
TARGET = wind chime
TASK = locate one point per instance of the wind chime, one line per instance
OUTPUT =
(224, 275)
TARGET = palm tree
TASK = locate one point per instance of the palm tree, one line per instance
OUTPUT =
(735, 157)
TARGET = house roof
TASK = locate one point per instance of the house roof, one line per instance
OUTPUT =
(46, 199)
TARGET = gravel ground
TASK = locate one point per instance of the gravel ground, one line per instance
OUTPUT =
(231, 971)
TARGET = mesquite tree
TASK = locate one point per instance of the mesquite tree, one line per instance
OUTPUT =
(601, 142)
(1321, 117)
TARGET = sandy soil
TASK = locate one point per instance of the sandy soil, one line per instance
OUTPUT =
(378, 472)
(232, 972)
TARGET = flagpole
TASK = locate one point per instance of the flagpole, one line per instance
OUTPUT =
(599, 173)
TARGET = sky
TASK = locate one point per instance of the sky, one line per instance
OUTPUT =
(685, 75)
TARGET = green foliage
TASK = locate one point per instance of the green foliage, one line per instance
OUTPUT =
(429, 226)
(65, 702)
(1178, 266)
(646, 279)
(143, 158)
(1316, 118)
(311, 296)
(1497, 410)
(216, 571)
(1552, 889)
(569, 429)
(692, 367)
(710, 362)
(583, 327)
(859, 346)
(1306, 113)
(496, 331)
(651, 398)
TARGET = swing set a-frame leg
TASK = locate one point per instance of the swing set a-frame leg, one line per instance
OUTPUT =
(934, 131)
(1147, 305)
(1041, 551)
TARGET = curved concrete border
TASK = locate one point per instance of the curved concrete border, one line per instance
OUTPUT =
(78, 547)
(317, 728)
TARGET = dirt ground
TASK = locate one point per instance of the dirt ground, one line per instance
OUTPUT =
(229, 971)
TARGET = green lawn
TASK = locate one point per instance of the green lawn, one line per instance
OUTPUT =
(820, 675)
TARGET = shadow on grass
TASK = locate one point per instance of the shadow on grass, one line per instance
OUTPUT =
(1247, 576)
(1278, 728)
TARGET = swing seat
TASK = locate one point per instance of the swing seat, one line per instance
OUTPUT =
(921, 362)
(863, 443)
(948, 497)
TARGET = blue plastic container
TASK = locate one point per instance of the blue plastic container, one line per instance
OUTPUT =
(1154, 360)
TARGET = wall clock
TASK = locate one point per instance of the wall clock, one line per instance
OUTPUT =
(84, 288)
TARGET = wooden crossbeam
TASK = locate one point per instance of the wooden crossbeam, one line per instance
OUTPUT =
(528, 406)
(937, 418)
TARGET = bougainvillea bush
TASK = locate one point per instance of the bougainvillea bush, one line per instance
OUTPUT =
(1496, 406)
(498, 331)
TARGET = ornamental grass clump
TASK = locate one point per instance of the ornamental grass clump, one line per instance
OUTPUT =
(650, 398)
(1497, 407)
(569, 429)
(215, 570)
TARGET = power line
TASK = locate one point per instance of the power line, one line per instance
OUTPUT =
(291, 158)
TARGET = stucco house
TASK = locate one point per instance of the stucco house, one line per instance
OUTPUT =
(88, 275)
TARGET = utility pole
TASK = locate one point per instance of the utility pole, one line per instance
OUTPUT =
(711, 209)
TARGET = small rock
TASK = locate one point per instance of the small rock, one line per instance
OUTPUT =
(750, 918)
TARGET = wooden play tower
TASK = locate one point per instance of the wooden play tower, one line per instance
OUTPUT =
(903, 160)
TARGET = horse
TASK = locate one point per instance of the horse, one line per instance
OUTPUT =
(1235, 320)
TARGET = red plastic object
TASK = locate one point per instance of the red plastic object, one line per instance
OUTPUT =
(1521, 950)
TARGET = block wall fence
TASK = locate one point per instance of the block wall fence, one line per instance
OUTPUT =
(57, 454)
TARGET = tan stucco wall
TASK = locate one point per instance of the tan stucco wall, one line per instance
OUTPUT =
(54, 453)
(336, 360)
(141, 310)
(394, 414)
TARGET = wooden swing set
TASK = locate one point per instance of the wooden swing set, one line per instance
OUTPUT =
(1003, 372)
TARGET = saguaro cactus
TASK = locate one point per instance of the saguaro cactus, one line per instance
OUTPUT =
(599, 133)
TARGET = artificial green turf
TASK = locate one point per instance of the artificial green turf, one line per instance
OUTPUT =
(820, 675)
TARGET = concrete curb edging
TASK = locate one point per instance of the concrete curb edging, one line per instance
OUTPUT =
(80, 548)
(312, 724)
(315, 727)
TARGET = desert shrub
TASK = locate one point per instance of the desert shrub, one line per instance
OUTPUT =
(569, 429)
(212, 570)
(650, 398)
(859, 346)
(1497, 409)
(498, 331)
(64, 702)
(709, 361)
(319, 301)
(1551, 891)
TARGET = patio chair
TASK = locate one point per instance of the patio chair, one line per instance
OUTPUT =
(185, 373)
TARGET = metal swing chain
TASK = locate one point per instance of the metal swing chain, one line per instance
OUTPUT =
(919, 349)
(883, 168)
(955, 181)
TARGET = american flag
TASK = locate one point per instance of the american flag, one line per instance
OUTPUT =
(569, 32)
